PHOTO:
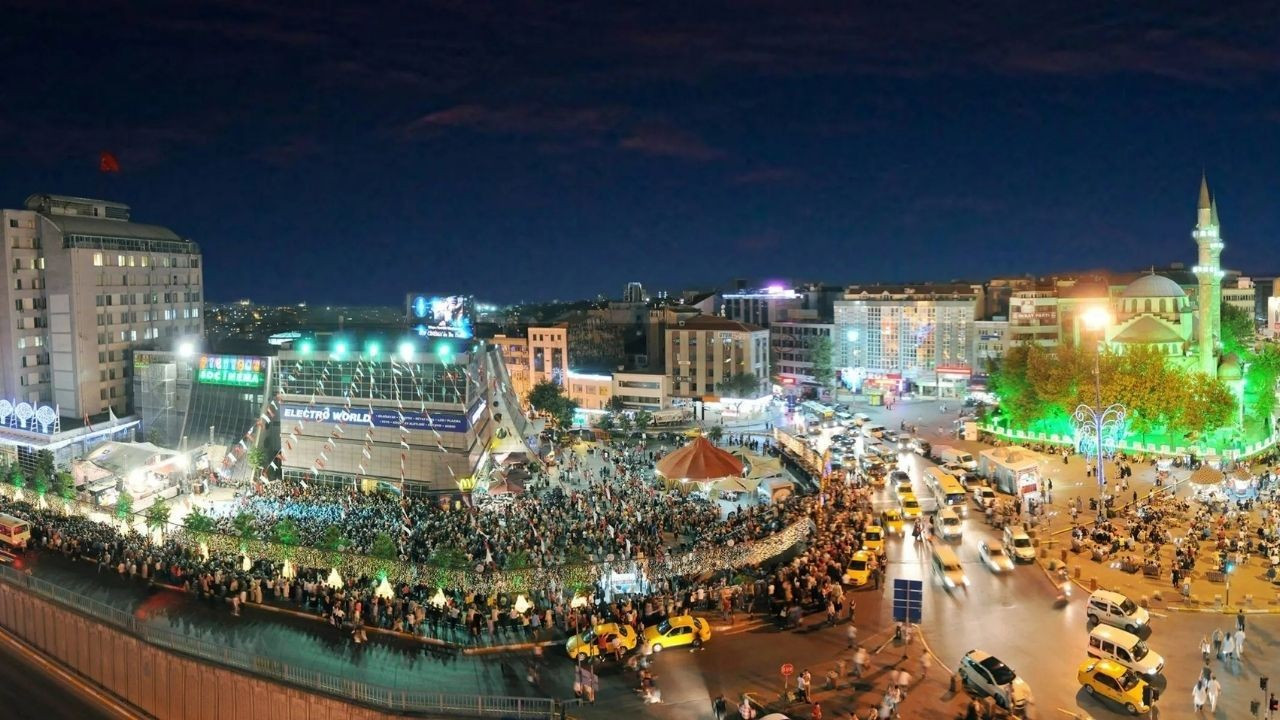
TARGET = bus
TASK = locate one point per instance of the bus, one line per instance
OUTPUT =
(825, 414)
(947, 490)
(14, 532)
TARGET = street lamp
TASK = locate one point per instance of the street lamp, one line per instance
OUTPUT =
(1097, 427)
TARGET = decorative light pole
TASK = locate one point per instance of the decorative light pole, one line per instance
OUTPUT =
(1098, 428)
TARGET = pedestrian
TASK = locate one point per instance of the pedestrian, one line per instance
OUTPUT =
(902, 679)
(851, 633)
(860, 658)
(802, 687)
(1239, 644)
(926, 662)
(1228, 647)
(718, 706)
(1212, 690)
(1205, 648)
(1217, 643)
(1199, 696)
(816, 713)
(831, 611)
(1240, 620)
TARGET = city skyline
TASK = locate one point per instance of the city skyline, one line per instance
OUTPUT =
(674, 149)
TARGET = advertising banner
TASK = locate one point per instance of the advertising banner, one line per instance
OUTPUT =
(379, 417)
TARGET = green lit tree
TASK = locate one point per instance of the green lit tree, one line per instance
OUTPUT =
(643, 420)
(65, 487)
(607, 423)
(1207, 405)
(257, 458)
(285, 532)
(820, 352)
(332, 543)
(243, 522)
(18, 480)
(1262, 371)
(549, 398)
(157, 516)
(124, 506)
(198, 524)
(617, 404)
(384, 548)
(41, 485)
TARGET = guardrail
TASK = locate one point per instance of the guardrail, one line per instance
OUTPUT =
(393, 699)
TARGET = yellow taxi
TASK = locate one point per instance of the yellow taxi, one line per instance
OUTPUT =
(678, 630)
(910, 506)
(1111, 680)
(891, 520)
(859, 571)
(587, 644)
(873, 538)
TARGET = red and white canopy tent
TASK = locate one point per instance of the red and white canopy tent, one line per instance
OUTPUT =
(700, 462)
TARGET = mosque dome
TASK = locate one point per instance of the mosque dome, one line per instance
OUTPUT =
(1153, 286)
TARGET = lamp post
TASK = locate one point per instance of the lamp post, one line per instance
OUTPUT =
(1098, 424)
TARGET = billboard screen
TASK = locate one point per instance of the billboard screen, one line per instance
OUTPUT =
(437, 316)
(234, 370)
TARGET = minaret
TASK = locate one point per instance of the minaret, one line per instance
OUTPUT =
(1208, 271)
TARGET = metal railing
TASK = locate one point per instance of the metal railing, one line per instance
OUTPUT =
(379, 696)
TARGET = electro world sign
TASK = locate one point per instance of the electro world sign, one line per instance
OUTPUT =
(377, 417)
(234, 370)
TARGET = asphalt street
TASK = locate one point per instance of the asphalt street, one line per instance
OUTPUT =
(26, 692)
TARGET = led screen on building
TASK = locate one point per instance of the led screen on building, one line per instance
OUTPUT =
(449, 316)
(234, 370)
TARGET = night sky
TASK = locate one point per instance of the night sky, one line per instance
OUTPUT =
(538, 150)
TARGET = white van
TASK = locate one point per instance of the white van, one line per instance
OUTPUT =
(875, 431)
(1129, 650)
(1018, 544)
(1112, 608)
(948, 524)
(14, 532)
(948, 455)
(947, 567)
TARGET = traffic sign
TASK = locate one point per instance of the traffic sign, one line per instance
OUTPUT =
(908, 600)
(787, 669)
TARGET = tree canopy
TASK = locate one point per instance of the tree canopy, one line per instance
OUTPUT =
(1037, 384)
(549, 398)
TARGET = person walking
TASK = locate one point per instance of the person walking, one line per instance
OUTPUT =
(719, 706)
(1213, 689)
(1205, 648)
(1239, 643)
(1217, 643)
(1240, 619)
(860, 659)
(851, 633)
(1228, 647)
(1199, 696)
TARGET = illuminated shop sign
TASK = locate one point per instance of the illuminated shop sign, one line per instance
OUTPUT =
(234, 370)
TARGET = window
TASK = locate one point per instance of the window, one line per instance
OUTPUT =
(97, 259)
(120, 260)
(13, 223)
(17, 304)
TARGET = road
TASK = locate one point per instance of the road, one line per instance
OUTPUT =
(1016, 617)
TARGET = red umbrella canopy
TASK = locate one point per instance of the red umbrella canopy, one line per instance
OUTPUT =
(700, 460)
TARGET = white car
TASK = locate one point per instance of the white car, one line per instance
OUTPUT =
(986, 675)
(994, 557)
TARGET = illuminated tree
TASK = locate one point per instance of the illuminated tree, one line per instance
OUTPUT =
(124, 506)
(715, 433)
(820, 355)
(157, 516)
(643, 420)
(1238, 329)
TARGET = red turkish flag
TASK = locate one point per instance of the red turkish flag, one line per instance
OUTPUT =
(108, 163)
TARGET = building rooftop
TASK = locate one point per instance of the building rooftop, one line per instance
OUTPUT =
(712, 322)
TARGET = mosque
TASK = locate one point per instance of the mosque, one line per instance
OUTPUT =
(1155, 311)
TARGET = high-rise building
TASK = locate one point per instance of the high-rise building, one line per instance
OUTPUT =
(704, 351)
(634, 293)
(917, 334)
(87, 284)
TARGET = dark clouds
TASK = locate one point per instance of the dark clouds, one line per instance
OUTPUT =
(536, 148)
